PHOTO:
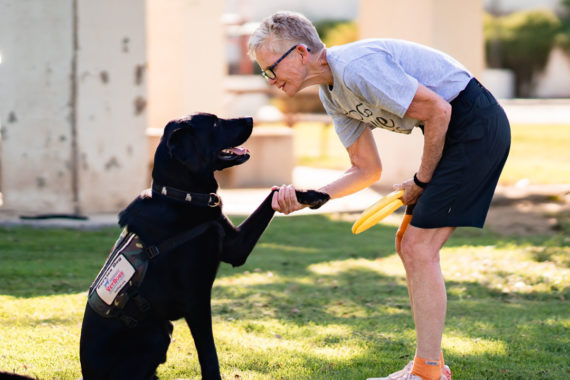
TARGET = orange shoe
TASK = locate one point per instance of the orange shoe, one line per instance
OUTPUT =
(406, 374)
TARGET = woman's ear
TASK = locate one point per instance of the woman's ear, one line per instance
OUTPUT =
(304, 52)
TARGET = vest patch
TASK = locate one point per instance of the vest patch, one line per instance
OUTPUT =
(114, 279)
(119, 279)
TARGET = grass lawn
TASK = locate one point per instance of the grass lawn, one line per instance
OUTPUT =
(312, 302)
(539, 153)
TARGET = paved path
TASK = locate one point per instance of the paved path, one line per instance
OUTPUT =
(537, 111)
(244, 201)
(236, 202)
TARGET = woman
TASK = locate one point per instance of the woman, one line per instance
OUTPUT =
(399, 85)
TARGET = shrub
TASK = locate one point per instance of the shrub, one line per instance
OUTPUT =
(337, 32)
(522, 42)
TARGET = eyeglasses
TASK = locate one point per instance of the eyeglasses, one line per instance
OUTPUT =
(268, 73)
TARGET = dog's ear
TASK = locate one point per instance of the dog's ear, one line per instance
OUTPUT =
(182, 147)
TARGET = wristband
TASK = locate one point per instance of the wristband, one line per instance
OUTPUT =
(419, 183)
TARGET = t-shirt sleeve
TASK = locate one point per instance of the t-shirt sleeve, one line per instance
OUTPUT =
(347, 129)
(381, 81)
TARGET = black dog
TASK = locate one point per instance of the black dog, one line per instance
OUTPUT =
(163, 266)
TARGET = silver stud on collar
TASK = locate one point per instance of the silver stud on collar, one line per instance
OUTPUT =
(188, 198)
(164, 192)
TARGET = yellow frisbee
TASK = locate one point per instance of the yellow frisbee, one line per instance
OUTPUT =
(378, 211)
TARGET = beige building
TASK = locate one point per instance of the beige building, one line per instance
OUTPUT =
(81, 82)
(452, 26)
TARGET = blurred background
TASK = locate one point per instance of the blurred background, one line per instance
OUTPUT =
(86, 88)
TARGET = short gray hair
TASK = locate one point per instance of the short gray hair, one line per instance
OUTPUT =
(283, 29)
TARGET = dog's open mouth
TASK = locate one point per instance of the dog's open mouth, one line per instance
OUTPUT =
(231, 157)
(233, 153)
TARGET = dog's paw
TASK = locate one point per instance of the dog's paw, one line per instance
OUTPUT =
(313, 198)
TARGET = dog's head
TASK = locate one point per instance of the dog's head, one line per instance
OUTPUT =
(193, 147)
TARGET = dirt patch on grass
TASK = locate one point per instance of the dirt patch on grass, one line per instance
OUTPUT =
(530, 210)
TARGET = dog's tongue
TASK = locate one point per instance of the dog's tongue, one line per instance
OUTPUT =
(238, 150)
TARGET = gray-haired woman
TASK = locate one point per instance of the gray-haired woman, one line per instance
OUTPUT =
(398, 85)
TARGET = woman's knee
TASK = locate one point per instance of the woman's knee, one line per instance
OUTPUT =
(416, 252)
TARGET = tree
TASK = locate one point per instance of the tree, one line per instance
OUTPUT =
(522, 42)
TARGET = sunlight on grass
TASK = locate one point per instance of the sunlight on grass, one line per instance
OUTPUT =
(41, 330)
(539, 153)
(505, 269)
(473, 346)
(249, 279)
(287, 248)
(390, 265)
(268, 345)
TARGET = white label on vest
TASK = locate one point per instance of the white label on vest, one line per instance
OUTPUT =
(114, 279)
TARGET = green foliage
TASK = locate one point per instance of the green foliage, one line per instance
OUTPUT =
(337, 32)
(563, 39)
(522, 42)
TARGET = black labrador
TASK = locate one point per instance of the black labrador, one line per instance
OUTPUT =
(163, 265)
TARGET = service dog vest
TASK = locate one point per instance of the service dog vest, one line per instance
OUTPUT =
(119, 280)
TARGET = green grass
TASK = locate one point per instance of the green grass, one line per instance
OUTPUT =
(539, 153)
(312, 302)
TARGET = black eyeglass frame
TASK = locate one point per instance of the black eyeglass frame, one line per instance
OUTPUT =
(268, 73)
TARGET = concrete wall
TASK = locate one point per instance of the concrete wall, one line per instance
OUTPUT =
(35, 94)
(73, 105)
(315, 10)
(508, 6)
(271, 161)
(186, 59)
(455, 27)
(111, 103)
(554, 81)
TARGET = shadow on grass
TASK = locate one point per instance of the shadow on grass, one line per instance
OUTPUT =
(38, 262)
(373, 308)
(518, 337)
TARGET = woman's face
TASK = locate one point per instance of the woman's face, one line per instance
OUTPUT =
(289, 72)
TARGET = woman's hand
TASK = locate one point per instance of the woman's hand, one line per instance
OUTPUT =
(285, 200)
(412, 191)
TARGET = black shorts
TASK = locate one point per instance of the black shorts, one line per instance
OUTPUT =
(476, 147)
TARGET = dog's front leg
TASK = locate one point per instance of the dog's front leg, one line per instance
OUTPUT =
(239, 241)
(200, 323)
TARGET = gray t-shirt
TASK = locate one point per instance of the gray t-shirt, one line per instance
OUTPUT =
(375, 81)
